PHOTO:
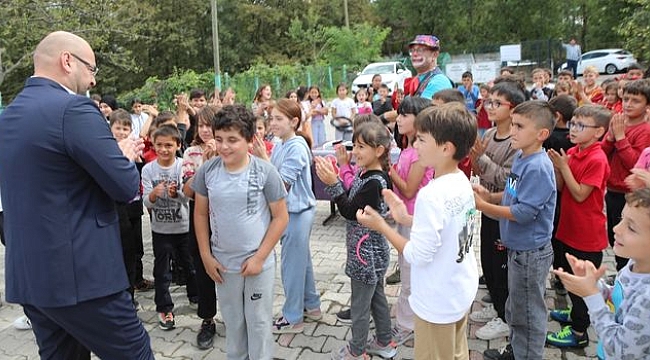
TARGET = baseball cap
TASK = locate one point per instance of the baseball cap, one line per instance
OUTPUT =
(426, 40)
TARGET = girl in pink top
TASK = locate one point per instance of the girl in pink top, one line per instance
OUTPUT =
(407, 176)
(363, 106)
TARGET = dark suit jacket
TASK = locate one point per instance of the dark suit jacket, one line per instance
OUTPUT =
(61, 172)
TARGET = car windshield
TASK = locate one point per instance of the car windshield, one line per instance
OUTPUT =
(378, 69)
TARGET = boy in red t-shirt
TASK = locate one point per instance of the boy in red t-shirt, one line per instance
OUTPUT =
(628, 135)
(582, 174)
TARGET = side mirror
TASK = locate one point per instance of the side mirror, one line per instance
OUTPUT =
(399, 71)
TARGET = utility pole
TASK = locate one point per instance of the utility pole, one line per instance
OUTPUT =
(215, 46)
(347, 17)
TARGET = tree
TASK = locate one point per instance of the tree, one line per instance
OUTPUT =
(108, 27)
(636, 29)
(355, 47)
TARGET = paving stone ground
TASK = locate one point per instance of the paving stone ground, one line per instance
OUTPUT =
(317, 339)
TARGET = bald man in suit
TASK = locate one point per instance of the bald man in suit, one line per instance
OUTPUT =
(61, 172)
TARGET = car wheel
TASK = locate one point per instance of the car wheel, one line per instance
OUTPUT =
(610, 69)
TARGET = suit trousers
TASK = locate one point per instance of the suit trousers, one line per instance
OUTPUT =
(2, 228)
(108, 326)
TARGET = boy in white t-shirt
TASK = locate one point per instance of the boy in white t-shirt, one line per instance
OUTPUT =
(343, 109)
(440, 247)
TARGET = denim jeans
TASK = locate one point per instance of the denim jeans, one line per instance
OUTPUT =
(526, 311)
(318, 133)
(297, 269)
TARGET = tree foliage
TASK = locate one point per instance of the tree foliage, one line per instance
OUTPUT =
(107, 25)
(636, 29)
(136, 40)
(354, 46)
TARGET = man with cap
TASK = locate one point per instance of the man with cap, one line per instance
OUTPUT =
(424, 51)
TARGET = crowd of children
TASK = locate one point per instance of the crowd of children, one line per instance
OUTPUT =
(546, 158)
(599, 133)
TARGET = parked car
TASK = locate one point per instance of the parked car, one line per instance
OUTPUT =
(607, 61)
(391, 72)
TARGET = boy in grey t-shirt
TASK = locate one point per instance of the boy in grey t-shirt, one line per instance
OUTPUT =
(161, 181)
(242, 200)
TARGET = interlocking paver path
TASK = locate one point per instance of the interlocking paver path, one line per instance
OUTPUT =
(317, 339)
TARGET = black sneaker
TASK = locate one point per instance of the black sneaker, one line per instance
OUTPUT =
(205, 338)
(394, 278)
(344, 316)
(505, 353)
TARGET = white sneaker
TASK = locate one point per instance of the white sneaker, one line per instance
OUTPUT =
(484, 315)
(496, 328)
(22, 323)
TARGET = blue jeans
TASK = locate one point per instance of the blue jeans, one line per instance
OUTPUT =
(318, 132)
(526, 311)
(297, 270)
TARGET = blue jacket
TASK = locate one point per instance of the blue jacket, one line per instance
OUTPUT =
(61, 172)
